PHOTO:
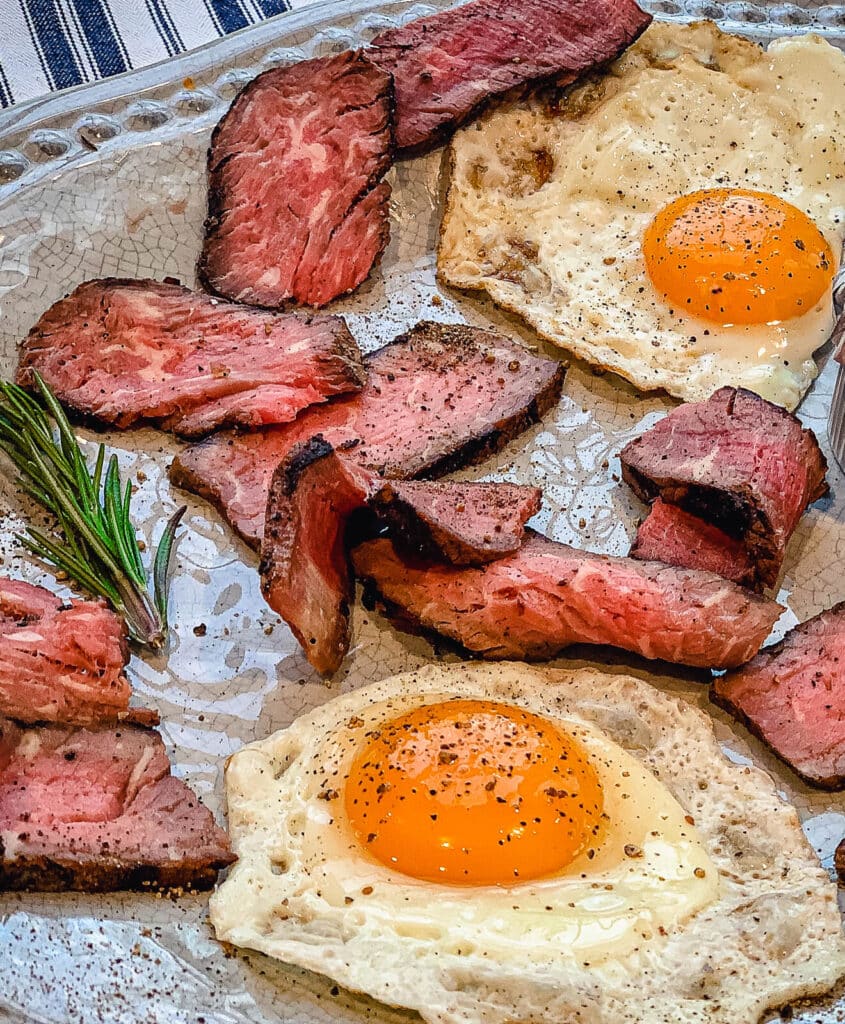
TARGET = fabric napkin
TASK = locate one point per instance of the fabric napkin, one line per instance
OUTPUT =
(46, 45)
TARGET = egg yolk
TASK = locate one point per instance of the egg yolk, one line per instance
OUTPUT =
(473, 792)
(735, 256)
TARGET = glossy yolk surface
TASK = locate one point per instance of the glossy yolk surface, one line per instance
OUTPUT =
(734, 256)
(473, 792)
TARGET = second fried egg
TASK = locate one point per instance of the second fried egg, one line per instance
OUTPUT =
(678, 220)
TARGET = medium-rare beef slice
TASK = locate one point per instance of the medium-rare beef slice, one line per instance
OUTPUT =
(124, 351)
(741, 463)
(304, 566)
(546, 596)
(672, 535)
(446, 66)
(792, 695)
(62, 661)
(464, 523)
(437, 398)
(297, 210)
(96, 810)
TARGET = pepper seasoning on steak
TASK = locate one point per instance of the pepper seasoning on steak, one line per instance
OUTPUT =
(437, 398)
(744, 465)
(792, 695)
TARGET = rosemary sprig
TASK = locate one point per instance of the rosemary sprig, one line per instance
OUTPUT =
(94, 541)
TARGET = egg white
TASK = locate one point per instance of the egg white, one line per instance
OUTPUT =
(686, 108)
(754, 926)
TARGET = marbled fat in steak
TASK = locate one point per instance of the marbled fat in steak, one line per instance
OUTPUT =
(437, 398)
(62, 661)
(122, 351)
(792, 695)
(737, 461)
(446, 66)
(546, 596)
(97, 809)
(672, 535)
(466, 523)
(297, 211)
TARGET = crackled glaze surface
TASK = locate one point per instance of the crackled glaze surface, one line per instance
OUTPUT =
(129, 200)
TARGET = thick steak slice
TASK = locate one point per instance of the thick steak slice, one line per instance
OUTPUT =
(122, 351)
(445, 66)
(739, 462)
(304, 566)
(792, 695)
(839, 860)
(96, 810)
(437, 398)
(546, 596)
(62, 661)
(670, 534)
(463, 523)
(296, 210)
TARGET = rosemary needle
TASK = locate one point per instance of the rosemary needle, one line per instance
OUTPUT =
(94, 541)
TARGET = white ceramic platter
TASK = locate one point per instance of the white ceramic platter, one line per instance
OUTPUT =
(109, 179)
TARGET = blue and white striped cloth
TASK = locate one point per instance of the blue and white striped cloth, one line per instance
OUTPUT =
(47, 45)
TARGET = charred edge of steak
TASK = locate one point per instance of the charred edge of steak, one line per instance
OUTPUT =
(733, 513)
(831, 783)
(300, 458)
(40, 873)
(559, 79)
(839, 856)
(402, 620)
(216, 193)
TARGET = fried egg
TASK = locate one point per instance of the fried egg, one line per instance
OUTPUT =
(502, 843)
(678, 220)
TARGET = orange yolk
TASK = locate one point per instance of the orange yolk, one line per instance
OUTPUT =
(473, 792)
(735, 256)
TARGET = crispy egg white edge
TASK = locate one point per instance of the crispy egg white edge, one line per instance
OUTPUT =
(696, 381)
(774, 935)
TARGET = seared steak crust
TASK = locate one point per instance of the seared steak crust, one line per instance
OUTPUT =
(62, 661)
(446, 66)
(296, 207)
(96, 810)
(465, 523)
(792, 695)
(437, 398)
(672, 535)
(546, 596)
(124, 351)
(741, 463)
(304, 566)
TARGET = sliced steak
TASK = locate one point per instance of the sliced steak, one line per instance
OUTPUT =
(792, 695)
(839, 861)
(546, 596)
(296, 207)
(446, 66)
(123, 351)
(437, 398)
(62, 661)
(464, 523)
(670, 534)
(304, 566)
(737, 461)
(96, 810)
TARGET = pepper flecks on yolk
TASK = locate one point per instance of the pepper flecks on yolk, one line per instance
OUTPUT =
(735, 256)
(473, 792)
